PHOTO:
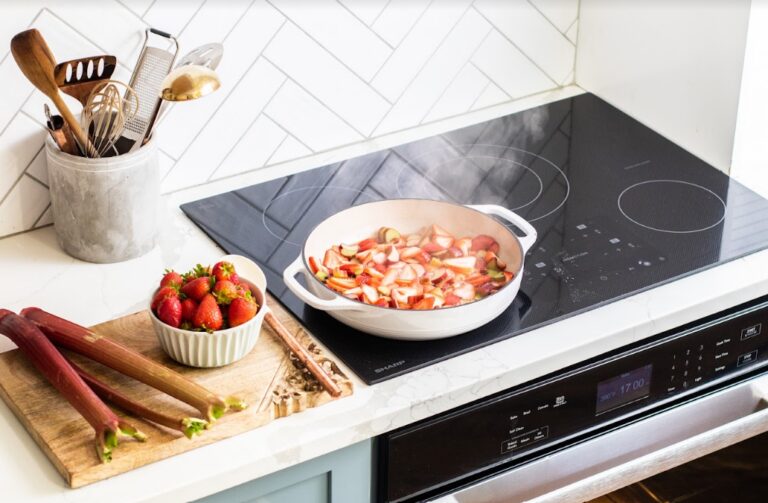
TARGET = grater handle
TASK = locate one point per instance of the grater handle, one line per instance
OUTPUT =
(160, 32)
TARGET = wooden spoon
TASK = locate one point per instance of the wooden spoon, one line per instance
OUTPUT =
(36, 62)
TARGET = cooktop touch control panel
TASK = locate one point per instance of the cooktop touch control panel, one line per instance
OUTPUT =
(498, 429)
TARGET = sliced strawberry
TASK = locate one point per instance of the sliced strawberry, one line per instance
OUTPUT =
(341, 284)
(363, 279)
(365, 256)
(439, 231)
(413, 299)
(465, 291)
(379, 258)
(464, 244)
(241, 310)
(352, 268)
(420, 270)
(389, 277)
(169, 311)
(353, 292)
(410, 252)
(436, 275)
(370, 295)
(443, 241)
(485, 289)
(381, 268)
(425, 303)
(401, 294)
(197, 288)
(406, 276)
(382, 302)
(452, 300)
(393, 255)
(423, 257)
(432, 248)
(366, 244)
(454, 252)
(332, 259)
(461, 265)
(482, 242)
(374, 273)
(208, 315)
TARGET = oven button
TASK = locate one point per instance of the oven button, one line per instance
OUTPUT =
(747, 358)
(749, 332)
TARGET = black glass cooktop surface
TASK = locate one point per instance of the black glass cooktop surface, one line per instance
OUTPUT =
(618, 209)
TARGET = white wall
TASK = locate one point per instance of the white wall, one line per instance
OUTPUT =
(750, 150)
(674, 65)
(299, 76)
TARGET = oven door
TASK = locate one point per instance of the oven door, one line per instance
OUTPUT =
(632, 452)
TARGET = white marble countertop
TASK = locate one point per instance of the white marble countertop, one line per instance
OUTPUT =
(37, 272)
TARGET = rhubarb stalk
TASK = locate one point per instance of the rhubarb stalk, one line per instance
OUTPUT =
(131, 363)
(55, 368)
(189, 426)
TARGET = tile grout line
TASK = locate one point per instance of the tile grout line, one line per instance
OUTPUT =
(490, 80)
(331, 53)
(23, 172)
(239, 20)
(245, 130)
(424, 65)
(146, 11)
(191, 18)
(35, 179)
(321, 102)
(407, 34)
(266, 163)
(134, 14)
(365, 24)
(29, 25)
(268, 116)
(534, 63)
(573, 22)
(530, 2)
(578, 37)
(453, 79)
(218, 107)
(379, 15)
(100, 48)
(482, 91)
(37, 220)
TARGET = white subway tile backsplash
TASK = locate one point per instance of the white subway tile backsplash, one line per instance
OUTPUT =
(336, 29)
(438, 72)
(560, 12)
(46, 218)
(460, 95)
(366, 10)
(19, 145)
(297, 77)
(518, 77)
(23, 206)
(537, 38)
(225, 127)
(397, 19)
(323, 76)
(253, 150)
(311, 122)
(417, 47)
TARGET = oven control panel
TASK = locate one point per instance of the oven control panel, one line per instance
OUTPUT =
(500, 428)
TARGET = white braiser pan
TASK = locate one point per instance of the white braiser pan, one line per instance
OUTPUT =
(409, 216)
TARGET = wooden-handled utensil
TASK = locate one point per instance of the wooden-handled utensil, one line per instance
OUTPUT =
(37, 62)
(78, 77)
(303, 355)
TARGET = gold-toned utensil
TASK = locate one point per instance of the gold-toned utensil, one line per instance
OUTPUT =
(189, 82)
(78, 77)
(37, 62)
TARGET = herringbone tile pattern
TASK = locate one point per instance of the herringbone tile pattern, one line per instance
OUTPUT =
(300, 76)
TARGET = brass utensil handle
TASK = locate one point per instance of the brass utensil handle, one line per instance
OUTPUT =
(321, 375)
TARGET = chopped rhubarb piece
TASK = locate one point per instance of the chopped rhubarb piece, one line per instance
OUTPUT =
(313, 265)
(432, 248)
(366, 244)
(349, 251)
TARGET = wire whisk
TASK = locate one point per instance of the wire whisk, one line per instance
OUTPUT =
(105, 115)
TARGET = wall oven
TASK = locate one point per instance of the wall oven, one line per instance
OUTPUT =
(594, 427)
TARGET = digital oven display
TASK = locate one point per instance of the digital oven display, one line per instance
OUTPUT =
(623, 389)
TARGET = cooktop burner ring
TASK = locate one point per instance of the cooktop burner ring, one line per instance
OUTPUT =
(319, 188)
(503, 149)
(709, 194)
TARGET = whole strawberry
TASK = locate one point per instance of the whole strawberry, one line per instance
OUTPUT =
(197, 288)
(164, 292)
(172, 278)
(208, 315)
(225, 271)
(225, 291)
(188, 309)
(169, 311)
(241, 310)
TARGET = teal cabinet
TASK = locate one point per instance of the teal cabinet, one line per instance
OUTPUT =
(343, 476)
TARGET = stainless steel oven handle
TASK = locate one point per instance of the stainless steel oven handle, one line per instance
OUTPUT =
(631, 453)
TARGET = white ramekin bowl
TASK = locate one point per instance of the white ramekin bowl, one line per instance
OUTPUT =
(203, 349)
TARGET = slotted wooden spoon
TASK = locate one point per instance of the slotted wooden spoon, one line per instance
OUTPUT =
(78, 77)
(36, 62)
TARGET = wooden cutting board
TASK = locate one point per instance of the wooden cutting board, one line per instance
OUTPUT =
(267, 379)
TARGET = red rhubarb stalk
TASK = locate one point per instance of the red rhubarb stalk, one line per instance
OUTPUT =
(131, 363)
(189, 426)
(50, 362)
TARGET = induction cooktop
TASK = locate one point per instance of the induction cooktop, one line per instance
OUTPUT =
(618, 209)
